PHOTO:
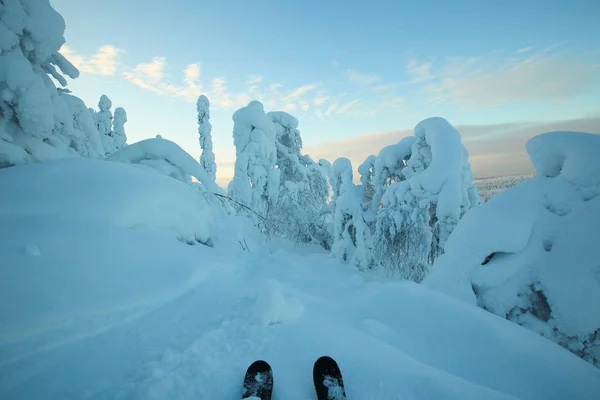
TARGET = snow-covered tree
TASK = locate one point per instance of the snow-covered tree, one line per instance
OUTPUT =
(388, 166)
(430, 194)
(104, 121)
(303, 189)
(207, 159)
(345, 203)
(353, 219)
(255, 181)
(119, 120)
(36, 121)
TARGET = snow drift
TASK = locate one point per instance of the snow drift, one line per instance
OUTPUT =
(529, 253)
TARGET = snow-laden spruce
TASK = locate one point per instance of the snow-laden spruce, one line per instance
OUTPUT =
(410, 198)
(418, 212)
(207, 158)
(255, 181)
(303, 189)
(104, 121)
(119, 120)
(529, 254)
(38, 122)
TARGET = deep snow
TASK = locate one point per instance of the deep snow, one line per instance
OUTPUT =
(96, 306)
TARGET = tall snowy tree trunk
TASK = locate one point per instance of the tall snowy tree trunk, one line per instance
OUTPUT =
(207, 159)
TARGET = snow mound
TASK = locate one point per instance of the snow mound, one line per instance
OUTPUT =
(529, 253)
(166, 157)
(117, 194)
(273, 307)
(571, 155)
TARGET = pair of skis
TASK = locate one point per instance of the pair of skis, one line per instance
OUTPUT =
(258, 382)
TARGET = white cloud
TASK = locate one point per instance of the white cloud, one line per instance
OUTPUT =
(320, 100)
(192, 74)
(103, 62)
(300, 91)
(148, 75)
(524, 50)
(347, 108)
(331, 109)
(420, 71)
(361, 78)
(254, 80)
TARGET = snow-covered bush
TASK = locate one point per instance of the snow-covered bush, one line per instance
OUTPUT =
(207, 158)
(166, 157)
(37, 122)
(432, 189)
(119, 120)
(255, 181)
(104, 121)
(345, 204)
(529, 254)
(303, 189)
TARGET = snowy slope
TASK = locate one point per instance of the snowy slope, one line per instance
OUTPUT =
(99, 300)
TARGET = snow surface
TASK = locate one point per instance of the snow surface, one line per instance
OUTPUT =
(107, 308)
(529, 254)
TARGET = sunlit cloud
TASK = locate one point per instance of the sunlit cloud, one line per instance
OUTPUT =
(103, 62)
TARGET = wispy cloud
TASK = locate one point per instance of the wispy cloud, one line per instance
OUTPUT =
(347, 108)
(254, 80)
(524, 50)
(103, 62)
(491, 81)
(419, 71)
(148, 75)
(362, 78)
(320, 100)
(300, 91)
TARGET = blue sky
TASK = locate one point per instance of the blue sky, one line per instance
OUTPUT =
(357, 74)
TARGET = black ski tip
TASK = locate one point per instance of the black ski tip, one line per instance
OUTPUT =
(259, 366)
(327, 378)
(258, 381)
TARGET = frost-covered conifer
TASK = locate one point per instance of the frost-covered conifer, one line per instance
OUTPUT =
(303, 188)
(104, 120)
(36, 121)
(255, 181)
(207, 159)
(430, 194)
(119, 120)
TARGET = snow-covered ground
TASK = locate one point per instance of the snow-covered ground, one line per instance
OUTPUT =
(100, 298)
